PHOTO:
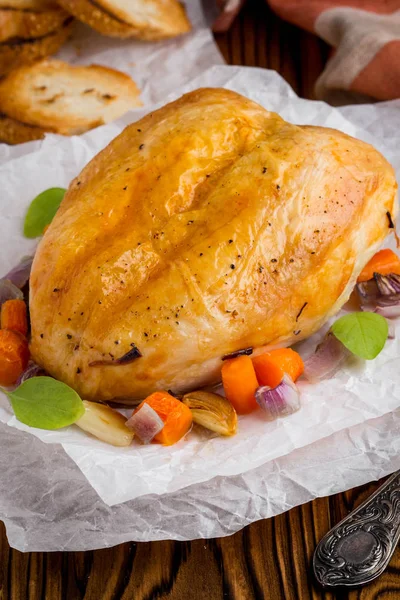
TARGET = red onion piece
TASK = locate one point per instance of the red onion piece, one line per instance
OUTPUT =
(9, 291)
(329, 355)
(145, 423)
(281, 401)
(19, 275)
(390, 312)
(387, 284)
(392, 300)
(368, 291)
(32, 370)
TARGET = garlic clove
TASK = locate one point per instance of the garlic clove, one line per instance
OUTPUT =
(106, 424)
(212, 411)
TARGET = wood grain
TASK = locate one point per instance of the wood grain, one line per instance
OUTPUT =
(269, 560)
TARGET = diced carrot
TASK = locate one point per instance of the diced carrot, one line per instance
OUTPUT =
(14, 317)
(14, 356)
(268, 372)
(177, 417)
(240, 384)
(384, 262)
(270, 367)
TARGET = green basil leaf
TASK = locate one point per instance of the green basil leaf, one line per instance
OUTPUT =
(363, 333)
(46, 403)
(41, 211)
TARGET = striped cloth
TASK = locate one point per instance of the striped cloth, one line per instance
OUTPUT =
(365, 35)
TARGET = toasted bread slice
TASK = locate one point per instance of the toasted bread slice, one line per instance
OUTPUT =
(15, 132)
(143, 19)
(17, 52)
(54, 96)
(34, 5)
(30, 23)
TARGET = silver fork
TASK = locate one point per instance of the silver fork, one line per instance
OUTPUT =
(359, 548)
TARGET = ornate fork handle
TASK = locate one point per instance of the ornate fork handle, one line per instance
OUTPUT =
(359, 548)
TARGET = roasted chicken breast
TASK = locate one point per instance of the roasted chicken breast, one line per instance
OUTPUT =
(209, 226)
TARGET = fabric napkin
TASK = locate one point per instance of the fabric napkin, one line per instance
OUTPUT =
(364, 35)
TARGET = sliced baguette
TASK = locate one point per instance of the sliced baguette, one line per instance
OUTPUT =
(143, 19)
(30, 23)
(35, 5)
(15, 132)
(17, 52)
(53, 96)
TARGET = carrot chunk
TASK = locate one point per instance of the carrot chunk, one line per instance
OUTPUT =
(14, 356)
(240, 384)
(14, 317)
(177, 417)
(384, 262)
(270, 367)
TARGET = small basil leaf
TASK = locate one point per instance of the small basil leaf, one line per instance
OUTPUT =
(46, 403)
(41, 211)
(363, 333)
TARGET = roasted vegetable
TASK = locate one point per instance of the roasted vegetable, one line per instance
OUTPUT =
(240, 383)
(176, 416)
(212, 411)
(14, 356)
(106, 424)
(14, 316)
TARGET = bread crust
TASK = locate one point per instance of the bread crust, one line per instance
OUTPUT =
(26, 24)
(15, 53)
(109, 20)
(14, 132)
(31, 5)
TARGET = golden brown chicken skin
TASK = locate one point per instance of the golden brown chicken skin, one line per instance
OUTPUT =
(209, 226)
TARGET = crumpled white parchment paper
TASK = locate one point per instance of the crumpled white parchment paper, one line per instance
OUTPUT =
(346, 426)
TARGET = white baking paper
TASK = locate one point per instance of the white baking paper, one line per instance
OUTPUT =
(360, 391)
(346, 426)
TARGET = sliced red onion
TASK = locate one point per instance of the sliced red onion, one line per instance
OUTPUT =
(389, 312)
(391, 300)
(387, 284)
(368, 291)
(19, 275)
(9, 291)
(327, 359)
(145, 423)
(280, 401)
(32, 370)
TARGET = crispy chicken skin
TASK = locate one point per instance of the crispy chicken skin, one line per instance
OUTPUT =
(209, 226)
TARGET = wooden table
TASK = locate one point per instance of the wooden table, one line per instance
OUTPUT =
(269, 560)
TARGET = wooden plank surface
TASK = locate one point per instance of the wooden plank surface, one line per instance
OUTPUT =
(269, 560)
